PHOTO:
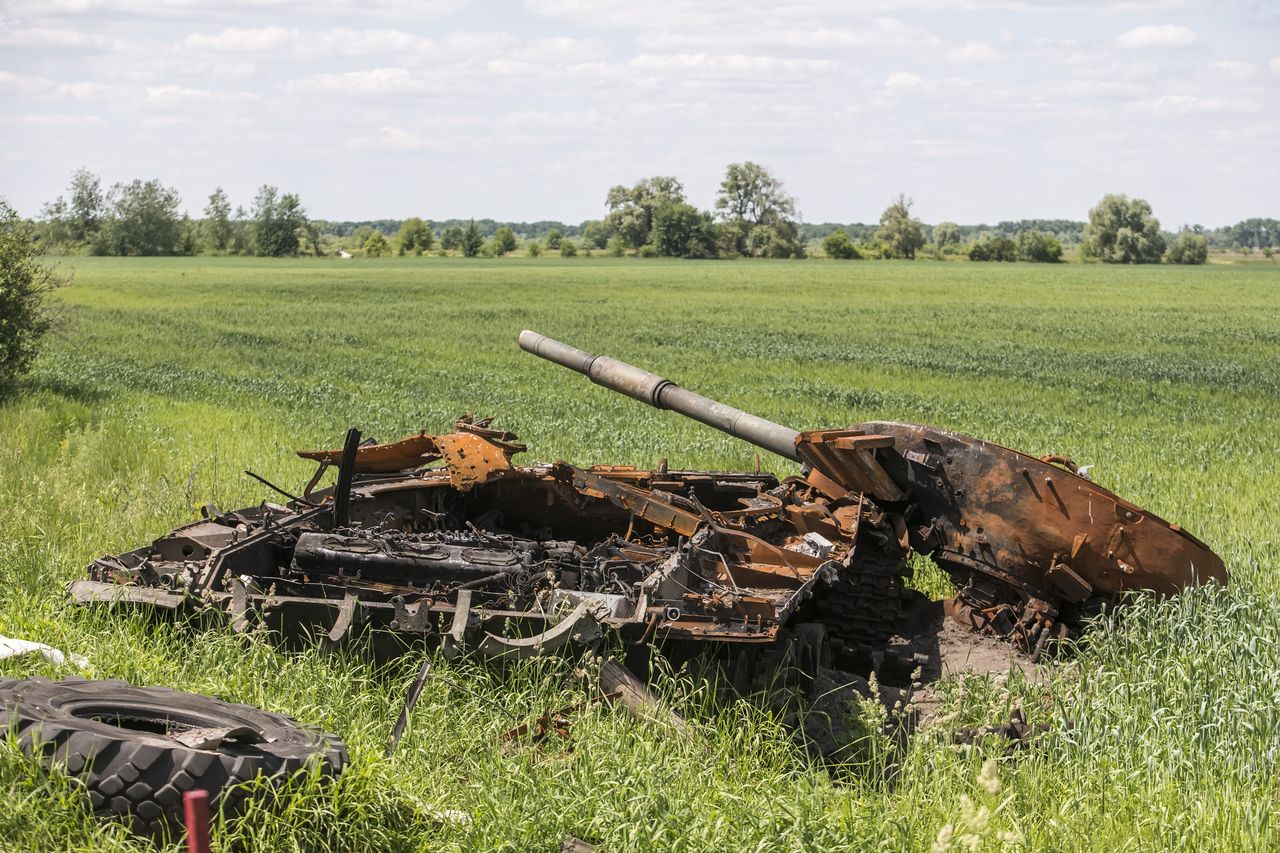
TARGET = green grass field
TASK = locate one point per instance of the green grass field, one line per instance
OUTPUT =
(169, 377)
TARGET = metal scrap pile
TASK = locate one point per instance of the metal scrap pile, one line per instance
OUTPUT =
(445, 535)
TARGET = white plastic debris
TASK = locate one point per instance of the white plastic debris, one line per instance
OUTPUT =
(819, 545)
(1083, 471)
(12, 648)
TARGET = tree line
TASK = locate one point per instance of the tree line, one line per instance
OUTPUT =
(753, 215)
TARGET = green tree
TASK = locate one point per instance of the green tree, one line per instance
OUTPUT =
(751, 197)
(534, 248)
(946, 234)
(838, 244)
(25, 282)
(680, 230)
(504, 241)
(471, 242)
(1122, 230)
(278, 222)
(993, 247)
(1189, 248)
(901, 233)
(553, 238)
(414, 236)
(311, 234)
(217, 221)
(567, 248)
(377, 245)
(77, 221)
(143, 219)
(241, 233)
(1038, 247)
(451, 239)
(616, 247)
(631, 210)
(596, 233)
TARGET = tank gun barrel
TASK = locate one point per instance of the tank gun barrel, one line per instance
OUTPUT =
(662, 393)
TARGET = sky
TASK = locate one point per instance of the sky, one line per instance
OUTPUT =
(980, 110)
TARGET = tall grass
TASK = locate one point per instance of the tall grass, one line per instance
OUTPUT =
(172, 376)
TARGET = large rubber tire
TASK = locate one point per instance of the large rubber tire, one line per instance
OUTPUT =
(117, 739)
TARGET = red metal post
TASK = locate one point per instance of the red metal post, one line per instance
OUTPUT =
(196, 806)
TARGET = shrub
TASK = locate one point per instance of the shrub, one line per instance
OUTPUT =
(1039, 248)
(25, 281)
(534, 248)
(617, 247)
(1189, 248)
(989, 247)
(504, 241)
(839, 245)
(1122, 230)
(871, 247)
(376, 246)
(567, 248)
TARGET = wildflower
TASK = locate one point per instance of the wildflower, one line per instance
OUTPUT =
(942, 843)
(989, 777)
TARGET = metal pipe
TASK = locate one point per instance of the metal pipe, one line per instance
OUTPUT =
(662, 393)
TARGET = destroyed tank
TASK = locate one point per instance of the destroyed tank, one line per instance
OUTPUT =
(445, 536)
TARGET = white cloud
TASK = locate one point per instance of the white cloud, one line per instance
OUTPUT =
(1093, 90)
(374, 81)
(1163, 35)
(62, 120)
(902, 80)
(1181, 105)
(185, 96)
(395, 139)
(972, 52)
(186, 9)
(1235, 70)
(730, 64)
(20, 84)
(1275, 65)
(308, 43)
(38, 37)
(84, 91)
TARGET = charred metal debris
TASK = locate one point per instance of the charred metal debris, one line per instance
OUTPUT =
(445, 535)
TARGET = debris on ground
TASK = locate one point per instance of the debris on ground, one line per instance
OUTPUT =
(12, 648)
(136, 750)
(445, 535)
(1015, 731)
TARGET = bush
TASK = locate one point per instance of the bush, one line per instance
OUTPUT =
(1039, 248)
(534, 248)
(567, 248)
(504, 241)
(839, 244)
(617, 248)
(24, 283)
(899, 232)
(1189, 248)
(871, 247)
(1122, 230)
(989, 247)
(376, 246)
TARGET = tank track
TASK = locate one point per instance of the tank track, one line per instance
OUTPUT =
(863, 608)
